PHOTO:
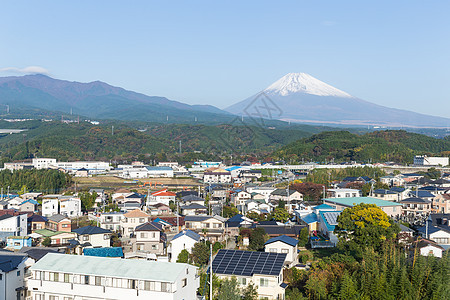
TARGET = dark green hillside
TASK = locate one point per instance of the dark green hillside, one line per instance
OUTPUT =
(389, 145)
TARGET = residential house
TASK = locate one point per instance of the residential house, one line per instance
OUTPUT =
(193, 210)
(159, 209)
(343, 193)
(414, 206)
(149, 238)
(57, 238)
(131, 220)
(441, 182)
(283, 244)
(217, 176)
(70, 206)
(265, 191)
(59, 276)
(111, 220)
(273, 229)
(184, 240)
(212, 227)
(161, 196)
(95, 236)
(393, 180)
(36, 222)
(17, 242)
(59, 223)
(284, 195)
(191, 199)
(29, 205)
(50, 206)
(384, 194)
(263, 269)
(327, 223)
(250, 175)
(13, 267)
(428, 248)
(441, 204)
(13, 225)
(438, 234)
(390, 208)
(240, 197)
(258, 206)
(233, 224)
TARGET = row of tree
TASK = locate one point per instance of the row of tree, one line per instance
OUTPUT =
(44, 181)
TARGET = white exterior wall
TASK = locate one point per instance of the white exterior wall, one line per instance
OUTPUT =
(280, 247)
(177, 245)
(12, 280)
(431, 250)
(263, 191)
(119, 290)
(431, 161)
(70, 207)
(96, 240)
(111, 221)
(15, 224)
(440, 237)
(43, 163)
(89, 165)
(271, 291)
(50, 207)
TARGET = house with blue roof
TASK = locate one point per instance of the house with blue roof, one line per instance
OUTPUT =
(184, 240)
(283, 244)
(12, 271)
(327, 223)
(389, 207)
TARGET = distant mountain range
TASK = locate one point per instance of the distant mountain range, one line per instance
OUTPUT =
(98, 100)
(296, 98)
(299, 97)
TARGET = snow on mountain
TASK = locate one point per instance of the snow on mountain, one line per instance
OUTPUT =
(303, 83)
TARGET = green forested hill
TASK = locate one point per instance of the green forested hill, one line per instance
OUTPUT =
(389, 145)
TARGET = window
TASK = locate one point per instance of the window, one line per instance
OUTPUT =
(106, 236)
(132, 284)
(141, 220)
(86, 279)
(53, 298)
(284, 250)
(18, 273)
(66, 277)
(86, 237)
(242, 280)
(149, 285)
(144, 235)
(37, 274)
(1, 276)
(165, 287)
(39, 297)
(184, 282)
(98, 280)
(154, 247)
(263, 282)
(67, 298)
(273, 250)
(55, 276)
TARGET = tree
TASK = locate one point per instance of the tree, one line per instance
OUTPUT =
(229, 290)
(310, 191)
(46, 242)
(256, 239)
(217, 246)
(230, 211)
(348, 287)
(183, 257)
(303, 237)
(280, 214)
(365, 225)
(87, 200)
(200, 253)
(250, 292)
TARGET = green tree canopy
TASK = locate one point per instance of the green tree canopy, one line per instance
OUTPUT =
(365, 225)
(183, 257)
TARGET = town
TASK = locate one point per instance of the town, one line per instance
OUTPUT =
(250, 230)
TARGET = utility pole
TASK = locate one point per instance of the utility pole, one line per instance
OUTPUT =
(178, 215)
(210, 274)
(180, 146)
(112, 129)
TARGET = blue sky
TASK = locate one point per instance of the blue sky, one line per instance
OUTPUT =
(393, 53)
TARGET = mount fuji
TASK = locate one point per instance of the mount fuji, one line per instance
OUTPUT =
(299, 97)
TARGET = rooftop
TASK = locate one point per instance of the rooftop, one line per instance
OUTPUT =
(283, 238)
(111, 267)
(90, 230)
(352, 201)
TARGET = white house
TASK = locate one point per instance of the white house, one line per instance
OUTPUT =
(50, 207)
(263, 269)
(283, 244)
(149, 238)
(111, 220)
(13, 226)
(61, 276)
(239, 198)
(161, 196)
(131, 220)
(343, 193)
(217, 176)
(70, 206)
(13, 267)
(265, 191)
(429, 248)
(183, 240)
(96, 236)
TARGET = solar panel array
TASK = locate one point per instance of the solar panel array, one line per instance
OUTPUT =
(247, 263)
(331, 217)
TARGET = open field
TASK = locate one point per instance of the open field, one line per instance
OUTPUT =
(112, 182)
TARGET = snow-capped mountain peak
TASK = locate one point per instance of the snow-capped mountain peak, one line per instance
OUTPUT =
(303, 83)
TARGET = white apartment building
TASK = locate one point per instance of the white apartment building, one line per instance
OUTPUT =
(44, 163)
(111, 220)
(70, 277)
(70, 206)
(12, 272)
(50, 207)
(343, 193)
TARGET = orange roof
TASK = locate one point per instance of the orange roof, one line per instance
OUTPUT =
(137, 213)
(164, 194)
